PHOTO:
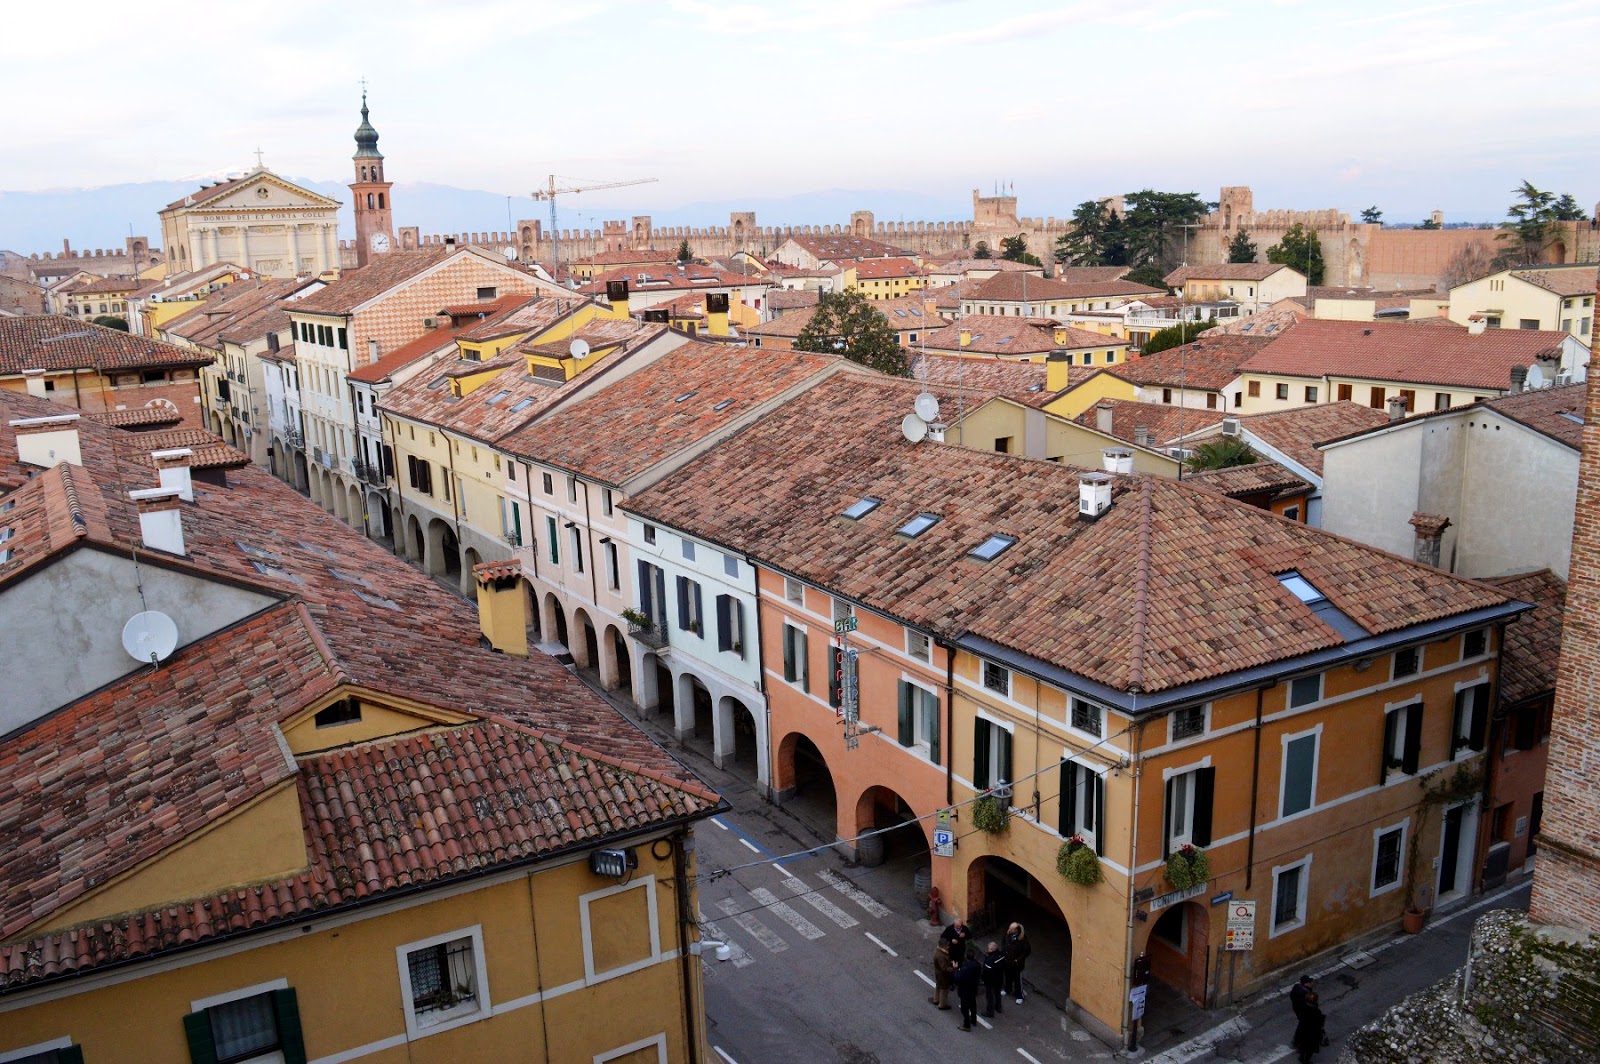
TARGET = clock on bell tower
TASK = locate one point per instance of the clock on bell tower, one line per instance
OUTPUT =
(374, 222)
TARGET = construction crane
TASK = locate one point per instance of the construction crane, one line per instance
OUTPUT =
(553, 190)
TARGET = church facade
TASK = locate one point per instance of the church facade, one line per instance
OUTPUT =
(260, 221)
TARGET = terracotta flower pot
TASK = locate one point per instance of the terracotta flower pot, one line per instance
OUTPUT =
(1412, 919)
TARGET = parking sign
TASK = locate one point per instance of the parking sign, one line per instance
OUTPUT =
(944, 842)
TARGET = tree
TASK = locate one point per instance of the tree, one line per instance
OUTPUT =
(1470, 263)
(845, 323)
(1095, 239)
(1372, 216)
(1155, 223)
(1175, 336)
(684, 252)
(1528, 228)
(1566, 209)
(982, 250)
(1224, 452)
(1015, 249)
(1242, 248)
(112, 321)
(1429, 223)
(1300, 249)
(1149, 276)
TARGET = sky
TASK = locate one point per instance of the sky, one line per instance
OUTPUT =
(1406, 106)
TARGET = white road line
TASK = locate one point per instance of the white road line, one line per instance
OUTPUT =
(730, 1060)
(1202, 1044)
(753, 847)
(1022, 1052)
(769, 901)
(717, 821)
(1272, 1056)
(741, 956)
(985, 1024)
(802, 890)
(925, 979)
(882, 944)
(753, 927)
(853, 892)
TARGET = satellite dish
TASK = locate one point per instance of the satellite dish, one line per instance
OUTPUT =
(149, 637)
(1535, 377)
(927, 407)
(578, 349)
(913, 428)
(509, 252)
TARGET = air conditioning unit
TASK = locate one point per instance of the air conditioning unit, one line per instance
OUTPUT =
(1230, 426)
(428, 323)
(1563, 378)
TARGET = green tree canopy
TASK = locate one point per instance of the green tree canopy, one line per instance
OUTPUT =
(1241, 248)
(1372, 216)
(1429, 223)
(112, 321)
(845, 323)
(1529, 222)
(1566, 209)
(982, 251)
(1015, 249)
(1175, 336)
(1155, 223)
(1095, 239)
(1300, 249)
(1224, 452)
(684, 252)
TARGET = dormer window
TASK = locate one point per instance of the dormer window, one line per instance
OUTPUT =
(857, 510)
(992, 548)
(918, 525)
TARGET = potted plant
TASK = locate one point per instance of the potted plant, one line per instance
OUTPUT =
(1188, 866)
(1438, 789)
(635, 619)
(989, 814)
(1077, 863)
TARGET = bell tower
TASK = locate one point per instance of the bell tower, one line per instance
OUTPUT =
(374, 222)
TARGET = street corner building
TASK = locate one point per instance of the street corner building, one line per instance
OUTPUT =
(267, 796)
(1135, 703)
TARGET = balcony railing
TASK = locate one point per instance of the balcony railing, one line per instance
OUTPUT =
(651, 635)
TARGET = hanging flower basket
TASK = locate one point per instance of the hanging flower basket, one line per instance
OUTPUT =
(1187, 867)
(989, 815)
(1077, 863)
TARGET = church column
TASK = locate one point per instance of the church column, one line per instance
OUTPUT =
(244, 245)
(208, 246)
(294, 248)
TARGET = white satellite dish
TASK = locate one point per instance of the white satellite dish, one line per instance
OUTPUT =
(927, 407)
(509, 252)
(149, 637)
(1535, 377)
(913, 428)
(579, 349)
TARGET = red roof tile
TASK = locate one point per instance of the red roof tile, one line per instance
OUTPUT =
(55, 342)
(1016, 287)
(1532, 651)
(1223, 271)
(358, 286)
(1297, 432)
(1208, 363)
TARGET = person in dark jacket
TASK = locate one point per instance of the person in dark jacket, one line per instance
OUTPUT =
(967, 977)
(955, 939)
(1309, 1033)
(943, 976)
(994, 978)
(1017, 947)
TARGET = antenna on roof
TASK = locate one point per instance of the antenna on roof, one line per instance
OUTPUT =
(913, 428)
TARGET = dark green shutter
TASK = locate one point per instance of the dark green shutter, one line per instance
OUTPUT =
(724, 622)
(699, 606)
(1069, 797)
(202, 1047)
(788, 654)
(938, 728)
(70, 1055)
(1166, 820)
(683, 602)
(803, 660)
(291, 1040)
(980, 754)
(1411, 756)
(1477, 735)
(908, 734)
(1100, 815)
(1391, 723)
(1005, 755)
(646, 606)
(1205, 785)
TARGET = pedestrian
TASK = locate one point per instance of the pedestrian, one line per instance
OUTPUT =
(967, 978)
(1017, 948)
(994, 978)
(955, 937)
(1309, 1033)
(1298, 994)
(943, 979)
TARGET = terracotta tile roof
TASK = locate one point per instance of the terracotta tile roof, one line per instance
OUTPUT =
(906, 312)
(110, 285)
(964, 266)
(1543, 410)
(870, 269)
(136, 417)
(55, 342)
(789, 325)
(947, 298)
(1573, 281)
(1436, 322)
(1015, 287)
(284, 354)
(209, 451)
(1167, 424)
(1222, 271)
(1022, 381)
(1208, 363)
(1012, 337)
(184, 284)
(1533, 644)
(240, 313)
(671, 277)
(372, 280)
(1297, 432)
(1257, 478)
(1090, 274)
(837, 246)
(782, 299)
(680, 400)
(626, 257)
(1393, 352)
(506, 570)
(208, 192)
(513, 315)
(1196, 573)
(1272, 323)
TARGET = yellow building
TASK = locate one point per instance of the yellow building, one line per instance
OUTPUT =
(883, 278)
(264, 841)
(107, 296)
(1547, 298)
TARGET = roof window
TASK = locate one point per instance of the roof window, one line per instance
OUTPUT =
(377, 600)
(347, 577)
(269, 569)
(6, 555)
(857, 510)
(1301, 588)
(324, 551)
(1574, 418)
(436, 385)
(918, 525)
(498, 397)
(723, 405)
(6, 533)
(685, 397)
(522, 404)
(992, 548)
(257, 552)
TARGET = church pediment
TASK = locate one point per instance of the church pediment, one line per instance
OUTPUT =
(261, 191)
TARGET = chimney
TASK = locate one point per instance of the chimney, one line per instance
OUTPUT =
(173, 468)
(1230, 426)
(1094, 495)
(1519, 378)
(1059, 335)
(160, 519)
(1430, 527)
(1103, 417)
(717, 313)
(1141, 436)
(936, 431)
(1117, 459)
(965, 337)
(1056, 372)
(617, 296)
(1476, 325)
(48, 441)
(1397, 407)
(502, 607)
(35, 380)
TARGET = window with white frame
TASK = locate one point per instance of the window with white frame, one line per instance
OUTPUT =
(613, 567)
(794, 591)
(1186, 723)
(687, 547)
(1188, 808)
(1387, 846)
(842, 610)
(730, 566)
(1407, 662)
(795, 669)
(260, 1023)
(548, 483)
(443, 981)
(55, 1051)
(991, 756)
(1289, 884)
(997, 678)
(730, 624)
(1083, 800)
(1304, 690)
(919, 718)
(1474, 643)
(918, 645)
(1087, 717)
(1298, 785)
(1402, 740)
(576, 535)
(1471, 721)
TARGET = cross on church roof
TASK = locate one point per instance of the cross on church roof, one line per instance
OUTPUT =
(259, 164)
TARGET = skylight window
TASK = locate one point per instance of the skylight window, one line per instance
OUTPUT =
(1035, 387)
(1301, 588)
(499, 396)
(324, 551)
(992, 548)
(6, 555)
(257, 552)
(862, 508)
(6, 533)
(918, 525)
(440, 383)
(377, 600)
(521, 405)
(1574, 418)
(268, 569)
(685, 397)
(348, 577)
(723, 405)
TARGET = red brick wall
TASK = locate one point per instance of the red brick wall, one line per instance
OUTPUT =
(1566, 883)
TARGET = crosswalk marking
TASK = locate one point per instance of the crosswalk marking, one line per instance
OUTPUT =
(853, 892)
(741, 956)
(802, 890)
(784, 912)
(753, 927)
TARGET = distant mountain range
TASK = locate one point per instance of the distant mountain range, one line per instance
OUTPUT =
(102, 217)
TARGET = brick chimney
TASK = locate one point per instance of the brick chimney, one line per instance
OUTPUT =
(1056, 372)
(173, 468)
(1430, 528)
(48, 441)
(160, 518)
(502, 607)
(1397, 407)
(1519, 378)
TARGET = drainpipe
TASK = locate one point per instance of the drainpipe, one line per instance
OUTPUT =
(950, 716)
(680, 877)
(399, 487)
(1255, 787)
(1129, 1025)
